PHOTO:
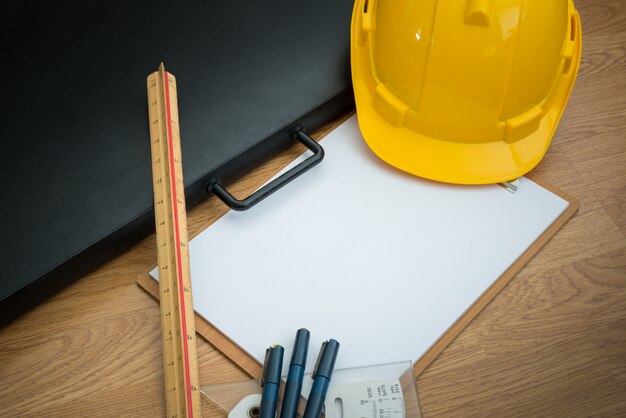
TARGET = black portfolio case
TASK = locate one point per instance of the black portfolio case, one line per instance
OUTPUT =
(76, 153)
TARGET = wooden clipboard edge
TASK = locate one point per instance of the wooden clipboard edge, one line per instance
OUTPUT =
(210, 333)
(248, 364)
(472, 312)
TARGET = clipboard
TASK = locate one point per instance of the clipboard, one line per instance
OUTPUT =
(254, 368)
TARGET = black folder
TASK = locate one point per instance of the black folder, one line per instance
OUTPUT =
(75, 144)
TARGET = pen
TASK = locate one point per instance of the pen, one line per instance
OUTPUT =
(296, 373)
(272, 367)
(321, 378)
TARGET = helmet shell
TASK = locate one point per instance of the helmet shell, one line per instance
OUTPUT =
(465, 92)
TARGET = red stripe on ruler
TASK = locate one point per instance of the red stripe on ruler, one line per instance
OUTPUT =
(181, 293)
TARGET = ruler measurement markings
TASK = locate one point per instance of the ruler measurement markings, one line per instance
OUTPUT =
(180, 360)
(169, 350)
(175, 203)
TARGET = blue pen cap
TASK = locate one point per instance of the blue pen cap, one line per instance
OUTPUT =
(326, 359)
(273, 365)
(301, 348)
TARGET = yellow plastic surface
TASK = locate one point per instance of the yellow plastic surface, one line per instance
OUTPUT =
(466, 92)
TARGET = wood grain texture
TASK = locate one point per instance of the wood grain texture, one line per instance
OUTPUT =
(550, 344)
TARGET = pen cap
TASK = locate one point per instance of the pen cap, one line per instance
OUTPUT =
(273, 364)
(301, 348)
(326, 360)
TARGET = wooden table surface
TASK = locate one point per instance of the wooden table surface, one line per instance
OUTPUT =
(552, 343)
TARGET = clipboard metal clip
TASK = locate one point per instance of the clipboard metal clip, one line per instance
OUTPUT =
(510, 186)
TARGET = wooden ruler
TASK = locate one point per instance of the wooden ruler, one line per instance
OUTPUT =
(182, 395)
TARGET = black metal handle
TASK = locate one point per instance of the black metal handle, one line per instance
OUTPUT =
(216, 187)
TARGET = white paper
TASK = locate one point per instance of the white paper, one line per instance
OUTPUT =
(382, 261)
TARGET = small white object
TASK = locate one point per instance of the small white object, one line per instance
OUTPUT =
(245, 407)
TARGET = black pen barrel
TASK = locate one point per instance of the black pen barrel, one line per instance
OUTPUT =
(293, 387)
(269, 401)
(316, 398)
(271, 381)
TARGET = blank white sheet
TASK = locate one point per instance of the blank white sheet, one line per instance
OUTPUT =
(358, 251)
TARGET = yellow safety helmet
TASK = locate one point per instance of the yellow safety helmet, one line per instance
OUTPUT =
(460, 91)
